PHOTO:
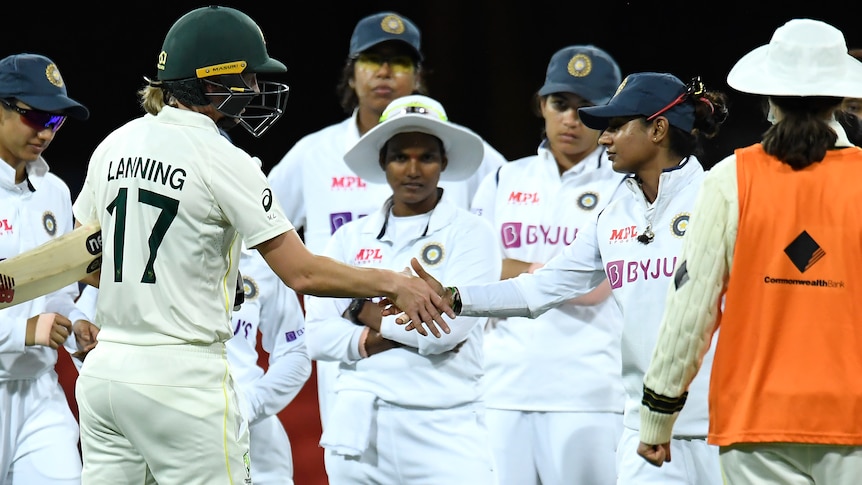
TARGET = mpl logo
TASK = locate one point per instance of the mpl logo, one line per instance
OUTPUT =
(621, 272)
(347, 182)
(368, 256)
(624, 234)
(5, 226)
(521, 198)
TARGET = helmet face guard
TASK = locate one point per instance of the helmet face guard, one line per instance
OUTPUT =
(211, 55)
(253, 109)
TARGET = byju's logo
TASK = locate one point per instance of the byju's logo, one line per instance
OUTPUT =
(516, 234)
(804, 252)
(620, 272)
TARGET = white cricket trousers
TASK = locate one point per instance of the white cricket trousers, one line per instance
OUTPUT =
(38, 433)
(161, 414)
(693, 462)
(420, 446)
(554, 448)
(791, 464)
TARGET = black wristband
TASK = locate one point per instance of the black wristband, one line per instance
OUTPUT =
(355, 308)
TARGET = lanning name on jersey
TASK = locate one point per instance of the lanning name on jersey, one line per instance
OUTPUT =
(149, 169)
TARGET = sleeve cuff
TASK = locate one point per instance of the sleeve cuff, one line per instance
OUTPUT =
(656, 428)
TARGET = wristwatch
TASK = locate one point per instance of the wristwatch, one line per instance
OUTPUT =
(354, 309)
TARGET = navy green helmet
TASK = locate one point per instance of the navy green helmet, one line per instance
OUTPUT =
(212, 55)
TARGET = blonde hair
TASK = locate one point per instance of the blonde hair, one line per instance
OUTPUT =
(152, 99)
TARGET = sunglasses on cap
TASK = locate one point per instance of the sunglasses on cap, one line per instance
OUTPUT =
(36, 119)
(401, 64)
(693, 89)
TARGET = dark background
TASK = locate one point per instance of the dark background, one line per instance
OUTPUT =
(484, 58)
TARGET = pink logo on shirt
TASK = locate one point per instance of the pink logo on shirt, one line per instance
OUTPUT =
(620, 272)
(517, 234)
(624, 234)
(368, 256)
(347, 182)
(521, 198)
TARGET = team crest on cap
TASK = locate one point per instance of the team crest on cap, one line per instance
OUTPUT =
(250, 288)
(392, 24)
(163, 58)
(588, 200)
(49, 222)
(432, 254)
(622, 85)
(580, 65)
(679, 224)
(53, 75)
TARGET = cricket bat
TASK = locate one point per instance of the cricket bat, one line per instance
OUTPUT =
(51, 266)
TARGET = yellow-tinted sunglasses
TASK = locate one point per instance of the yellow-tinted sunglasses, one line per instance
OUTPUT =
(400, 64)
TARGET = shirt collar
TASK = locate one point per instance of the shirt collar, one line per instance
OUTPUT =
(36, 171)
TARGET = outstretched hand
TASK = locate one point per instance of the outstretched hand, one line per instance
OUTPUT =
(420, 303)
(390, 308)
(656, 455)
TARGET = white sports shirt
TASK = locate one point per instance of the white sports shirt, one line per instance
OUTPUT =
(32, 213)
(171, 193)
(454, 246)
(568, 358)
(319, 192)
(639, 275)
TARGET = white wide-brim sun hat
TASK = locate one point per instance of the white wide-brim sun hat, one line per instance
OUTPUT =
(805, 57)
(417, 113)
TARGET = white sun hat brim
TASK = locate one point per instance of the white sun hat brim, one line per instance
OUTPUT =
(805, 57)
(415, 113)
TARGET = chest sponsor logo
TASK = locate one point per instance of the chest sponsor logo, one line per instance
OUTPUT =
(523, 198)
(347, 182)
(368, 256)
(338, 219)
(517, 234)
(623, 234)
(622, 272)
(6, 227)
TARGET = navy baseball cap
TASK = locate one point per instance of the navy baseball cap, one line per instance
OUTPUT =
(643, 94)
(36, 81)
(585, 70)
(381, 27)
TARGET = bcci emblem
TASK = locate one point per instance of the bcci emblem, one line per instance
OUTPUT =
(250, 288)
(580, 66)
(49, 222)
(679, 224)
(53, 75)
(392, 24)
(588, 201)
(432, 254)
